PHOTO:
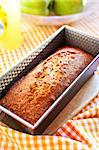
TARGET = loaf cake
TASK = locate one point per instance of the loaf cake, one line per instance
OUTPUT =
(34, 93)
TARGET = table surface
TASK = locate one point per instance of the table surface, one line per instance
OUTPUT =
(32, 37)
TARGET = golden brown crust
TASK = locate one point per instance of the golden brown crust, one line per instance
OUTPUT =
(32, 95)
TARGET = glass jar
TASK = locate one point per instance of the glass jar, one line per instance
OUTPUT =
(10, 24)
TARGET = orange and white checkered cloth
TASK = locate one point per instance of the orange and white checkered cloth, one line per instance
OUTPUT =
(82, 132)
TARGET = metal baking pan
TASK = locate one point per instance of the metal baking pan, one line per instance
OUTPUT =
(64, 36)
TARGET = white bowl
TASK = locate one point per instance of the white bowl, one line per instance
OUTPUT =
(91, 6)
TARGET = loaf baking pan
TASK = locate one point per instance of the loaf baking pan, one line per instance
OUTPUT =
(64, 36)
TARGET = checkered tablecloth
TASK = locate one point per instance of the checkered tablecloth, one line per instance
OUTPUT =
(82, 132)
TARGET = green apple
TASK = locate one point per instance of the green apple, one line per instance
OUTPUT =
(35, 7)
(35, 11)
(35, 3)
(65, 7)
